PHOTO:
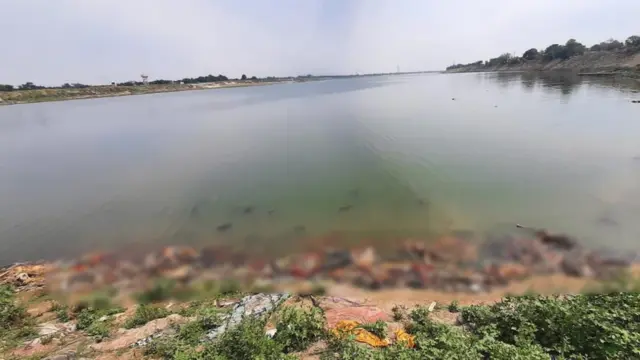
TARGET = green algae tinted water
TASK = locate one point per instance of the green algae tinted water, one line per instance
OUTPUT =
(375, 159)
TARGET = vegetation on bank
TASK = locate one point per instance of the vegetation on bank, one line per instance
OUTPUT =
(597, 326)
(198, 80)
(555, 52)
(602, 323)
(15, 323)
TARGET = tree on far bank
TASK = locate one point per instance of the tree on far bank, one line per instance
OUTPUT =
(29, 86)
(243, 77)
(633, 40)
(160, 82)
(555, 51)
(574, 48)
(530, 54)
(6, 87)
(205, 79)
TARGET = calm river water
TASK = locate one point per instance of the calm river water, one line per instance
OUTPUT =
(398, 154)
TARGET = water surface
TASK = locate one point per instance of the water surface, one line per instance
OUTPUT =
(397, 154)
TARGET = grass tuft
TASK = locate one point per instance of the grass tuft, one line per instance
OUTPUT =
(144, 314)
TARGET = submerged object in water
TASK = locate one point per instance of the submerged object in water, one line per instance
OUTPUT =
(559, 241)
(345, 208)
(195, 212)
(224, 227)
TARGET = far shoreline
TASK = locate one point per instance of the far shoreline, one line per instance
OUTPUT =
(97, 92)
(32, 96)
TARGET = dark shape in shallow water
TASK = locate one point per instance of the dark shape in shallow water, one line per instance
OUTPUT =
(224, 227)
(248, 210)
(335, 259)
(299, 229)
(195, 212)
(558, 241)
(271, 211)
(355, 193)
(345, 208)
(607, 221)
(423, 202)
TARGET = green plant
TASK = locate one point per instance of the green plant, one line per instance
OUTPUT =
(598, 326)
(99, 330)
(62, 313)
(85, 318)
(378, 328)
(209, 317)
(454, 307)
(399, 312)
(11, 314)
(163, 348)
(296, 329)
(144, 314)
(94, 321)
(246, 341)
(15, 323)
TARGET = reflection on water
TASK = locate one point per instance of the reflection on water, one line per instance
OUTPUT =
(273, 168)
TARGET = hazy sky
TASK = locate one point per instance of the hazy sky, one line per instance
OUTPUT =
(98, 41)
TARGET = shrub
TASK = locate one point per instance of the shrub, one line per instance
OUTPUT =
(399, 313)
(297, 328)
(597, 326)
(11, 314)
(246, 341)
(144, 314)
(454, 307)
(15, 323)
(99, 330)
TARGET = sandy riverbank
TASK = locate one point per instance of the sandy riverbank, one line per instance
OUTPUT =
(45, 95)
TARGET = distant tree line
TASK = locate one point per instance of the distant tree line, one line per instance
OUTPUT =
(556, 52)
(197, 80)
(31, 86)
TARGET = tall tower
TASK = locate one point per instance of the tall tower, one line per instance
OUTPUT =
(145, 79)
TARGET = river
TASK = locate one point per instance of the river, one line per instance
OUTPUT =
(272, 168)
